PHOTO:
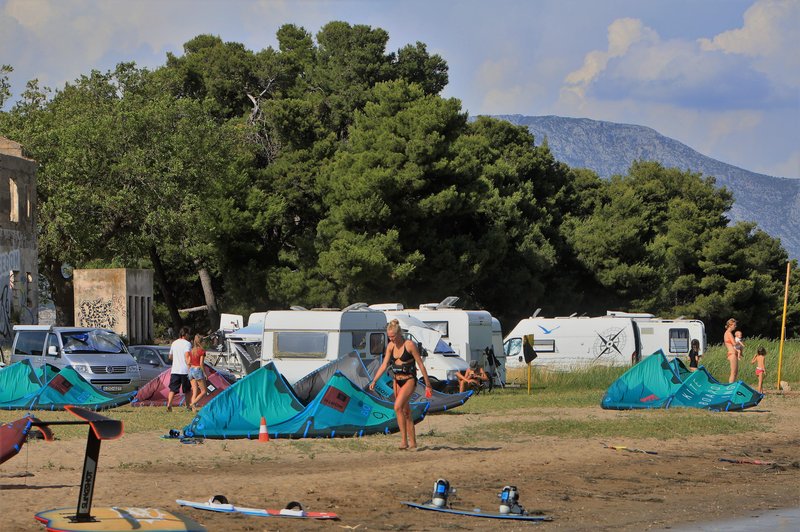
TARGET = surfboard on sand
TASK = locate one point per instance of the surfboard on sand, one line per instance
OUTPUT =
(116, 518)
(478, 513)
(219, 503)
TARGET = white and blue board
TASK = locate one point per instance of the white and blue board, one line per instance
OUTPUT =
(215, 505)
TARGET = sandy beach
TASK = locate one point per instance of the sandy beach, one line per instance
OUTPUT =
(579, 482)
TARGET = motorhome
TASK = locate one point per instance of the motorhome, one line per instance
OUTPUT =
(615, 339)
(468, 332)
(673, 336)
(300, 341)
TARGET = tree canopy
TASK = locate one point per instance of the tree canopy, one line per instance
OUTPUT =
(330, 170)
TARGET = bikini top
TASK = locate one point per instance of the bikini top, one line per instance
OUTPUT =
(729, 340)
(405, 363)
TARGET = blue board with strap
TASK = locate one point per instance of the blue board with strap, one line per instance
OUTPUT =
(478, 513)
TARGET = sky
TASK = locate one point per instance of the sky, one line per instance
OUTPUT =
(722, 76)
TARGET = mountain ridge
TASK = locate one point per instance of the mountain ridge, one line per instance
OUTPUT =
(609, 148)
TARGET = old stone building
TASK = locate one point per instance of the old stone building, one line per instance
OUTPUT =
(19, 298)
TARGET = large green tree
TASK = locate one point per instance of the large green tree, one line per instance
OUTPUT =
(126, 173)
(659, 241)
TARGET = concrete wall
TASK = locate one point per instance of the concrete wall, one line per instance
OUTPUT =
(120, 299)
(19, 266)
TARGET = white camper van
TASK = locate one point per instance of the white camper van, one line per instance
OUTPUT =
(570, 342)
(671, 336)
(468, 332)
(300, 341)
(612, 340)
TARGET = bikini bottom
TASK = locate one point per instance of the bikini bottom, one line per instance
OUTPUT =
(401, 382)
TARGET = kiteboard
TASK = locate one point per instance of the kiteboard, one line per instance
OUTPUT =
(218, 503)
(116, 518)
(477, 513)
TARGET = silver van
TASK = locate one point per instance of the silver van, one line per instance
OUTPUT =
(99, 355)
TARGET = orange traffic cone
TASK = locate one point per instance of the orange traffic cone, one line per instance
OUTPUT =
(263, 435)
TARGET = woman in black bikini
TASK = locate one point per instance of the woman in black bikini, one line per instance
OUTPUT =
(403, 357)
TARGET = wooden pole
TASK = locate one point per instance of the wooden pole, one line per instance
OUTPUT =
(783, 324)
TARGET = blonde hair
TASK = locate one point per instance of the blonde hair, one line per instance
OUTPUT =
(730, 322)
(197, 341)
(394, 326)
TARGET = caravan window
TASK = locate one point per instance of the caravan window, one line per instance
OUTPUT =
(442, 327)
(288, 344)
(679, 340)
(544, 346)
(377, 343)
(359, 341)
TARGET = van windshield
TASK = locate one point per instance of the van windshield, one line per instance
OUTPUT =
(92, 342)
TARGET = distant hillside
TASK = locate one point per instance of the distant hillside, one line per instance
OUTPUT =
(609, 148)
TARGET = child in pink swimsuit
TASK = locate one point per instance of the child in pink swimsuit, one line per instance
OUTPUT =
(759, 359)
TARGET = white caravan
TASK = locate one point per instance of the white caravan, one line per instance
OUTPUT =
(612, 340)
(468, 332)
(497, 337)
(256, 317)
(300, 341)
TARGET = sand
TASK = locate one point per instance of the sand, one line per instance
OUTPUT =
(577, 481)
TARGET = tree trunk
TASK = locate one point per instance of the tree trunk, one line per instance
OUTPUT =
(61, 291)
(208, 293)
(169, 300)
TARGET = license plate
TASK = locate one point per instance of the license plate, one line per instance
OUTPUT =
(112, 388)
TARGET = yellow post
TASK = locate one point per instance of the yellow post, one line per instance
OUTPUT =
(529, 378)
(783, 323)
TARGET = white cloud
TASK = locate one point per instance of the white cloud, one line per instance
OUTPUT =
(769, 25)
(770, 37)
(622, 34)
(755, 66)
(721, 95)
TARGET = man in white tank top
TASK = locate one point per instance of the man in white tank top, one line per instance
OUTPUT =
(179, 374)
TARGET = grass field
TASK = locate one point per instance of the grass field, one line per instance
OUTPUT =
(528, 412)
(550, 390)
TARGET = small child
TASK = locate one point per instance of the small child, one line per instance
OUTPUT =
(759, 359)
(694, 355)
(738, 344)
